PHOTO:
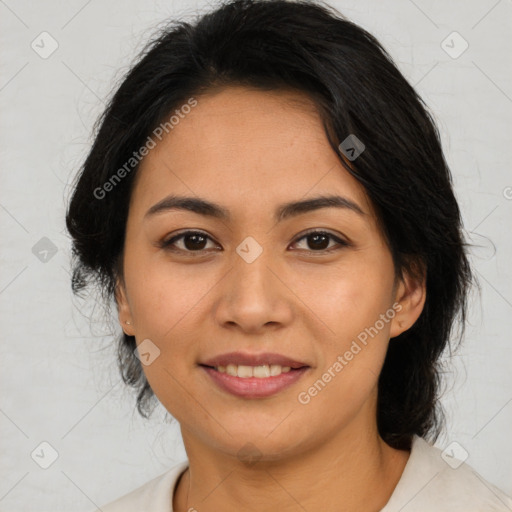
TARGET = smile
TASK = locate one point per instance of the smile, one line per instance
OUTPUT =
(251, 382)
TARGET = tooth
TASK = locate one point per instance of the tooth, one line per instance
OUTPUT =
(244, 371)
(261, 371)
(275, 369)
(231, 369)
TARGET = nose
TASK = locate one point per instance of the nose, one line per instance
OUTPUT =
(253, 296)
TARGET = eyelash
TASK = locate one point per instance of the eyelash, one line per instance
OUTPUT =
(168, 244)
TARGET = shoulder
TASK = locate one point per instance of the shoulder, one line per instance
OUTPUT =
(433, 481)
(155, 495)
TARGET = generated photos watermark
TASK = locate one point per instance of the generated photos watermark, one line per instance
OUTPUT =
(151, 143)
(304, 397)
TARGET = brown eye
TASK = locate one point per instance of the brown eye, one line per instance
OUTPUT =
(318, 241)
(189, 241)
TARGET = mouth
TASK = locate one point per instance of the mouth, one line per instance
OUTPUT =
(253, 375)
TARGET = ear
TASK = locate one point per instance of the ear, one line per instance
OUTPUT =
(411, 293)
(123, 308)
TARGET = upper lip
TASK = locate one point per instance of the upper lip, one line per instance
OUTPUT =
(242, 358)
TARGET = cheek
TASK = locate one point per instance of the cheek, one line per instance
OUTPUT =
(164, 301)
(352, 296)
(163, 295)
(354, 300)
(353, 354)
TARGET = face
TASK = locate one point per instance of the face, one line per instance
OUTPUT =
(250, 278)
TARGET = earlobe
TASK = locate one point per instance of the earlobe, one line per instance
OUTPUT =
(411, 295)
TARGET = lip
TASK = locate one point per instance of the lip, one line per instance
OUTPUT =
(254, 387)
(243, 358)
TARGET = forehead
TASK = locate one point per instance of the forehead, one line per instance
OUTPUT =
(247, 149)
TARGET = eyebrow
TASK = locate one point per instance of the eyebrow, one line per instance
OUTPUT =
(284, 211)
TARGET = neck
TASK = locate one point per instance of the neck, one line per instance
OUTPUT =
(350, 472)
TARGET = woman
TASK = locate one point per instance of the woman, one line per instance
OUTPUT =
(268, 203)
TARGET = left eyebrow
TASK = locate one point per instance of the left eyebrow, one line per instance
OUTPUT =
(295, 208)
(284, 211)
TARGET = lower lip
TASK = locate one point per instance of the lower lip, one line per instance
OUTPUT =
(254, 387)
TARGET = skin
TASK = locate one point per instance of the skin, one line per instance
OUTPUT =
(251, 151)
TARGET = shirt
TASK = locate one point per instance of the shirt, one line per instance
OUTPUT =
(428, 483)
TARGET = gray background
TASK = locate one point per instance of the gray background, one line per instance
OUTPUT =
(59, 381)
